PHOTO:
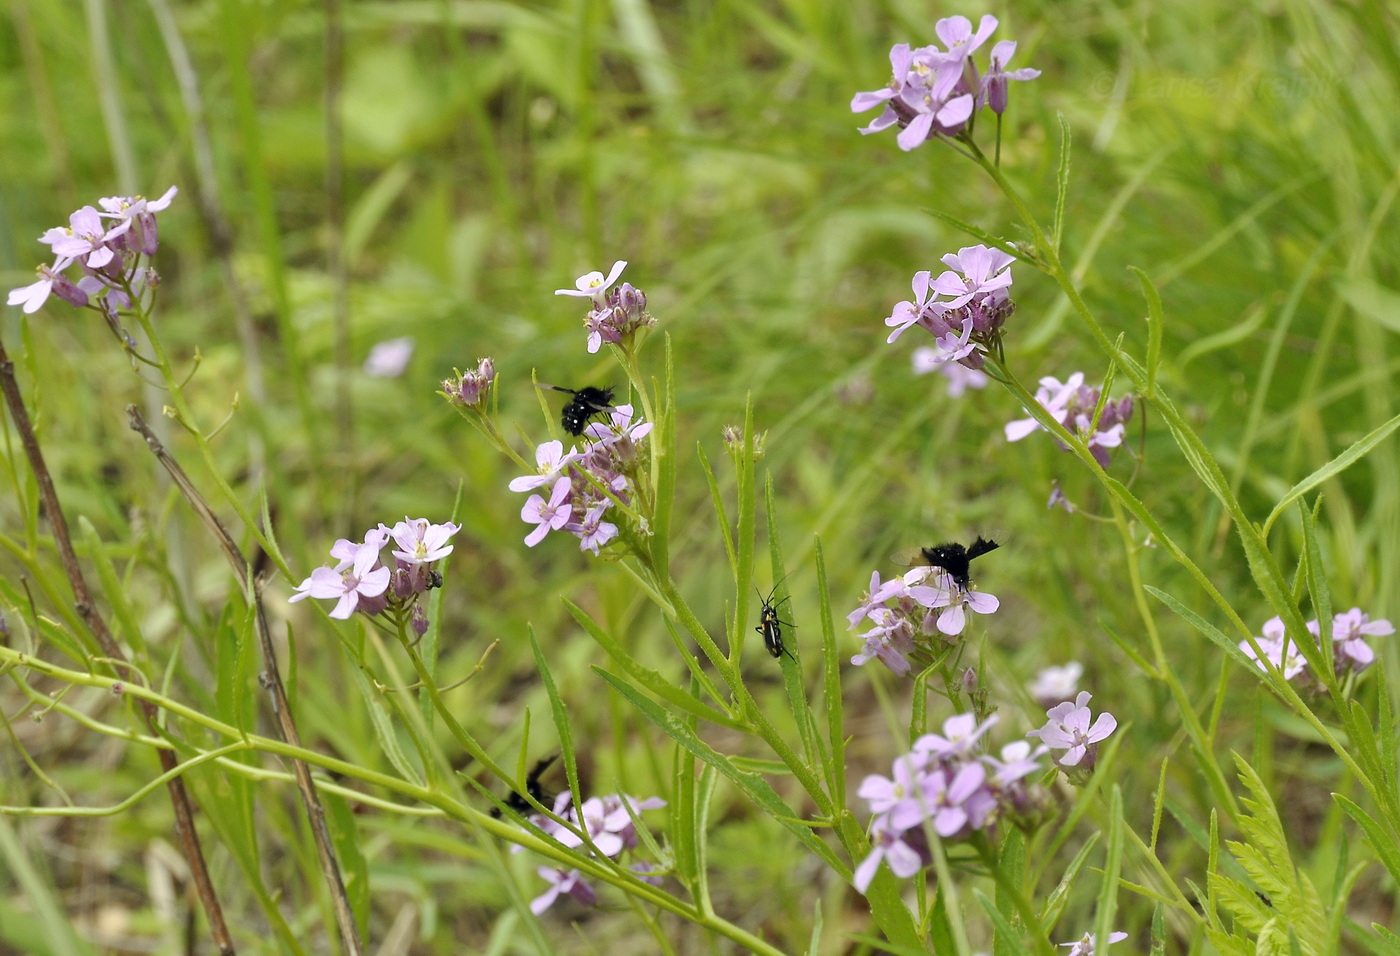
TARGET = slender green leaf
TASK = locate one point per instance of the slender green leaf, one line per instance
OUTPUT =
(560, 714)
(1231, 649)
(663, 450)
(1013, 867)
(1235, 334)
(1333, 468)
(791, 665)
(1057, 231)
(718, 500)
(112, 587)
(340, 820)
(383, 724)
(1159, 931)
(645, 676)
(700, 822)
(1059, 896)
(831, 667)
(1005, 930)
(1316, 574)
(1154, 328)
(58, 931)
(1381, 840)
(977, 232)
(683, 806)
(755, 787)
(1113, 862)
(1389, 939)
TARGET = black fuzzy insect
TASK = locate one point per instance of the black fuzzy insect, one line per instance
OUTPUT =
(532, 786)
(955, 559)
(586, 404)
(771, 626)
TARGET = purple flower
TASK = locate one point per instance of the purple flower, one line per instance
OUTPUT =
(142, 211)
(900, 57)
(961, 732)
(389, 358)
(973, 270)
(945, 794)
(620, 428)
(86, 236)
(1054, 397)
(606, 820)
(592, 285)
(994, 83)
(1068, 730)
(943, 783)
(32, 297)
(932, 358)
(902, 850)
(551, 460)
(938, 108)
(908, 313)
(421, 542)
(593, 532)
(956, 34)
(1017, 761)
(344, 550)
(896, 799)
(1084, 945)
(1349, 632)
(1072, 404)
(875, 597)
(362, 580)
(890, 640)
(1278, 649)
(562, 882)
(1053, 685)
(957, 601)
(547, 516)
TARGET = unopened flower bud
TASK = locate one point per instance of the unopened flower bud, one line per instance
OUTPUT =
(69, 292)
(467, 389)
(734, 441)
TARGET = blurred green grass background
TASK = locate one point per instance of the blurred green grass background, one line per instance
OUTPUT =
(1244, 155)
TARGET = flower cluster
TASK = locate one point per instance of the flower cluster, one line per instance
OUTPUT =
(469, 389)
(1067, 728)
(585, 487)
(967, 324)
(946, 783)
(1072, 404)
(361, 582)
(934, 92)
(107, 247)
(911, 612)
(617, 313)
(1350, 649)
(609, 823)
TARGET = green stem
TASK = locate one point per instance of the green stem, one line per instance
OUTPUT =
(1267, 574)
(434, 798)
